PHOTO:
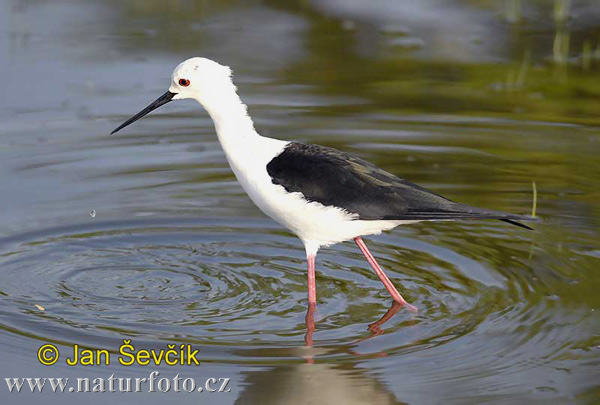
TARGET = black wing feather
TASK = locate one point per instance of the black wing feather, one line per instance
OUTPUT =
(334, 178)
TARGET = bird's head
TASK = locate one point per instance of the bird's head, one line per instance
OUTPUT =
(199, 78)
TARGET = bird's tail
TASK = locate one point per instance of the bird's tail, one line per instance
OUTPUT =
(519, 224)
(458, 211)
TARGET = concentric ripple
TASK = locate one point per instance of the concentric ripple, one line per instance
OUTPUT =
(238, 289)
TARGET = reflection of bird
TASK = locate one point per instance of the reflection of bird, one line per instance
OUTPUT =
(319, 383)
(321, 194)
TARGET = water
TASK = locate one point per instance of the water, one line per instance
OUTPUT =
(178, 254)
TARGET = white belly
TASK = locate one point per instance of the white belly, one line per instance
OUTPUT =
(315, 224)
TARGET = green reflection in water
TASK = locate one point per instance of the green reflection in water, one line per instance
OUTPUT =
(474, 99)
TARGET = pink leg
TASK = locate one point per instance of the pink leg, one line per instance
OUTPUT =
(382, 276)
(310, 329)
(312, 284)
(310, 324)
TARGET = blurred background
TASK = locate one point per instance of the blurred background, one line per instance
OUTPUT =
(147, 235)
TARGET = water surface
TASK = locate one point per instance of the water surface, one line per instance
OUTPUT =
(471, 100)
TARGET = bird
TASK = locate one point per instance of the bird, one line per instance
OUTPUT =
(322, 195)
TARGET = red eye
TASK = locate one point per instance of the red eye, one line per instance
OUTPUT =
(184, 82)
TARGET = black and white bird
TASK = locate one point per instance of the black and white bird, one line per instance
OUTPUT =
(322, 195)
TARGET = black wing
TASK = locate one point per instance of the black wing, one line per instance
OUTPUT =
(334, 178)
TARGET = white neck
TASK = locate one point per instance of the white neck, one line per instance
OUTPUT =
(230, 116)
(245, 149)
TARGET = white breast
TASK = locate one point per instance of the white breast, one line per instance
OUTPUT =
(315, 224)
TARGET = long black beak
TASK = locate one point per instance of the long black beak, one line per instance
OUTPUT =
(164, 99)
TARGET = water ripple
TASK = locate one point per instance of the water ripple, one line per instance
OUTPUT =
(237, 288)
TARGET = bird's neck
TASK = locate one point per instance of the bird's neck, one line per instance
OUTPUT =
(234, 126)
(244, 148)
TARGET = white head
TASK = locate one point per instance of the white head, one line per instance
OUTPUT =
(202, 79)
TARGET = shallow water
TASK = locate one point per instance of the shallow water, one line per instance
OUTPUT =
(146, 235)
